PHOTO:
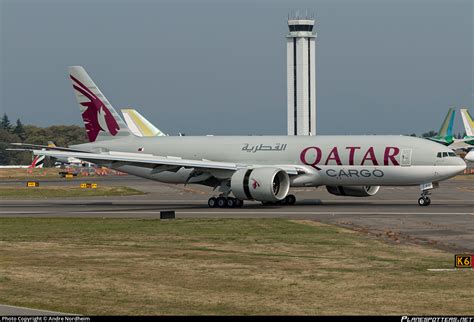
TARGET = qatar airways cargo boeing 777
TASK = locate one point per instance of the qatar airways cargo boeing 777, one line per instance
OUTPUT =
(261, 168)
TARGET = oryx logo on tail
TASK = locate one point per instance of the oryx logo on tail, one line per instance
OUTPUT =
(96, 115)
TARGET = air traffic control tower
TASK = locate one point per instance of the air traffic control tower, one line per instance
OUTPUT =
(301, 77)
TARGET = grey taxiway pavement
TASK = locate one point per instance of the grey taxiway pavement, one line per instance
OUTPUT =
(448, 223)
(9, 310)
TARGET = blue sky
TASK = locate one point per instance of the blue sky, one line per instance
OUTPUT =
(202, 67)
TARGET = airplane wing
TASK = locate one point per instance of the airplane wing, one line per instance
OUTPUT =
(30, 147)
(153, 162)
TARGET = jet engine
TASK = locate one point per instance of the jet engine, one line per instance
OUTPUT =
(262, 184)
(353, 191)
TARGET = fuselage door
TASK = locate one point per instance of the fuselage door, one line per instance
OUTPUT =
(406, 158)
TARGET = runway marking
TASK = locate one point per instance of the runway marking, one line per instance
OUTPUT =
(323, 213)
(445, 269)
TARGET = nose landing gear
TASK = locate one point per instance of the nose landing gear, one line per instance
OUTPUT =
(424, 201)
(425, 192)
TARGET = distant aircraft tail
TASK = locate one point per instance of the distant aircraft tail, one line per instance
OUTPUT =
(445, 134)
(139, 125)
(446, 129)
(38, 162)
(468, 122)
(101, 120)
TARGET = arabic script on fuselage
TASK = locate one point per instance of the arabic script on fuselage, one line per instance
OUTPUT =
(263, 147)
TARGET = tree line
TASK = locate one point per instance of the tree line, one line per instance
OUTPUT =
(61, 135)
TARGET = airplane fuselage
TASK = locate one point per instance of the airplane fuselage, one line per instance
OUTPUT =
(327, 160)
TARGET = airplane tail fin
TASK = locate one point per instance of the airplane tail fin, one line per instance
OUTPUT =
(139, 125)
(446, 130)
(38, 162)
(468, 122)
(101, 120)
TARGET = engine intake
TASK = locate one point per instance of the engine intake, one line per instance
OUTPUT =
(262, 184)
(353, 191)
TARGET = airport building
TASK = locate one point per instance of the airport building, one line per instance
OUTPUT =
(301, 77)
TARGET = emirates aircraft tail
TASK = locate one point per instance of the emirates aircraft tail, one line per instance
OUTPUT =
(101, 120)
(38, 162)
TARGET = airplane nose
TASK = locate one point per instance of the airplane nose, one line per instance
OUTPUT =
(458, 164)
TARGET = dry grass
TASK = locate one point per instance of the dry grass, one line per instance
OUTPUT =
(225, 266)
(29, 173)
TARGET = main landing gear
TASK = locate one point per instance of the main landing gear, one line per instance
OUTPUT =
(229, 202)
(288, 200)
(224, 202)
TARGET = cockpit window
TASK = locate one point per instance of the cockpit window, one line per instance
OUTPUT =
(445, 154)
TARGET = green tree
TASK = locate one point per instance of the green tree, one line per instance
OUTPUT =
(429, 134)
(11, 157)
(61, 135)
(19, 130)
(5, 123)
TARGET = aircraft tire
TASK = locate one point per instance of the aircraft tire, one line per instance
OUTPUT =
(212, 202)
(424, 201)
(239, 203)
(221, 202)
(231, 203)
(291, 199)
(428, 201)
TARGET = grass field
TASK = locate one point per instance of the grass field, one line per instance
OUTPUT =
(62, 192)
(221, 266)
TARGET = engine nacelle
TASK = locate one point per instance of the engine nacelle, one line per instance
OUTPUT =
(470, 156)
(353, 191)
(262, 184)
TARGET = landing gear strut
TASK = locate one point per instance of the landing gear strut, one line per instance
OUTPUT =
(224, 202)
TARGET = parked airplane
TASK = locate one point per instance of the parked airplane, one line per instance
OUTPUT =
(66, 160)
(467, 142)
(468, 126)
(261, 168)
(139, 125)
(38, 162)
(469, 138)
(445, 134)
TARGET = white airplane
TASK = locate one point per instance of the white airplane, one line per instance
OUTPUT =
(139, 125)
(469, 138)
(261, 168)
(67, 160)
(38, 162)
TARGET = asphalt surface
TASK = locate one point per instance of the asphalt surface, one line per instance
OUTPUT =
(8, 310)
